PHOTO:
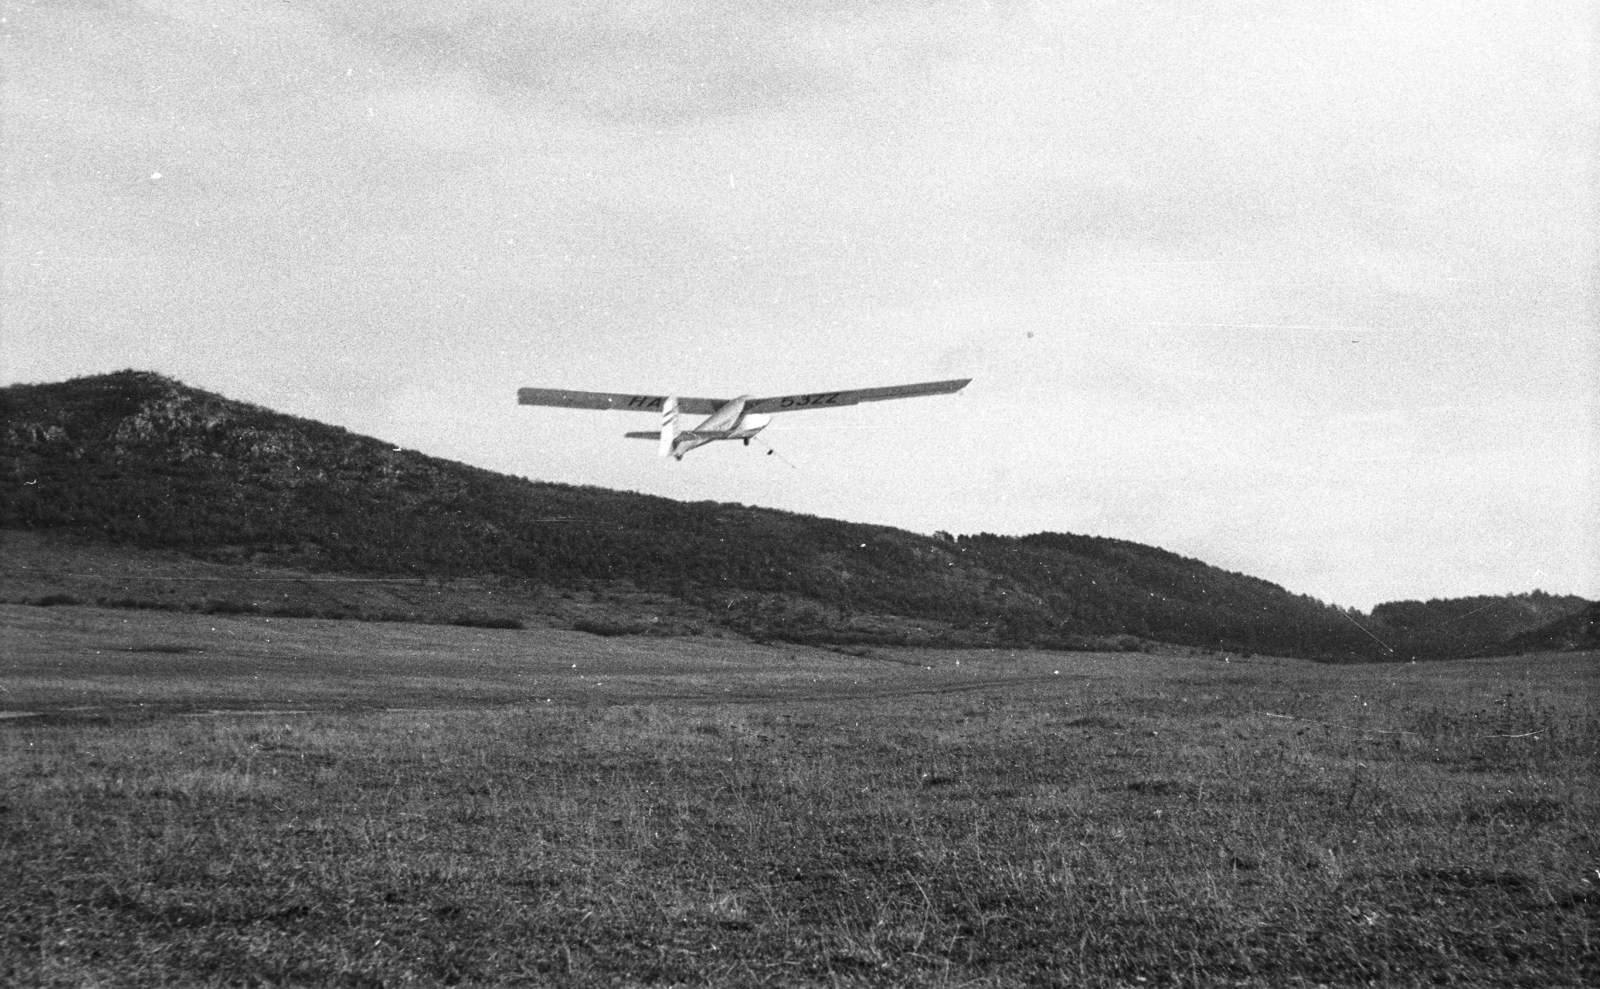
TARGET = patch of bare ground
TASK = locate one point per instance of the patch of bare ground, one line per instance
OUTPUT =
(560, 808)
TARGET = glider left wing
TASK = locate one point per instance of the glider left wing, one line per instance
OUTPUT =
(566, 399)
(838, 399)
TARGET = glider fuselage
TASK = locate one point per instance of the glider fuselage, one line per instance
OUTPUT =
(731, 422)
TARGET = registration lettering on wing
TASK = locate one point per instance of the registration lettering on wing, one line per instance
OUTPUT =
(805, 401)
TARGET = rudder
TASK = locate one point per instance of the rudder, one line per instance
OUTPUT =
(669, 425)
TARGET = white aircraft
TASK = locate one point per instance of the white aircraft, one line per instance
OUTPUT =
(728, 419)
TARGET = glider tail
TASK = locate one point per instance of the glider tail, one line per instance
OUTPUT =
(669, 426)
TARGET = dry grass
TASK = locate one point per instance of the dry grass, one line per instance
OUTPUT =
(692, 812)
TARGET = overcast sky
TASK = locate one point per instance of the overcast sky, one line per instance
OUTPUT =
(1304, 290)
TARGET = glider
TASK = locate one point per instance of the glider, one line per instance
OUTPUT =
(727, 419)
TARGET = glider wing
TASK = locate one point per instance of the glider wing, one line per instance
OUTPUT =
(838, 399)
(566, 399)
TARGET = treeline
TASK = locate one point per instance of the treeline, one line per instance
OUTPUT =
(1460, 626)
(135, 458)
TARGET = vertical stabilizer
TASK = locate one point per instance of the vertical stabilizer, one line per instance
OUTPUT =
(669, 426)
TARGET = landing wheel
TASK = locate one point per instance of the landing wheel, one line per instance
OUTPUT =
(747, 441)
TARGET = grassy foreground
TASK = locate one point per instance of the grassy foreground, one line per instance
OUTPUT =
(212, 800)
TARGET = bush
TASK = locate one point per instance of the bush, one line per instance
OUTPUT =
(607, 628)
(227, 607)
(142, 604)
(486, 621)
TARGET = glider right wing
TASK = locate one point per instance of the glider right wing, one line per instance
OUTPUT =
(838, 399)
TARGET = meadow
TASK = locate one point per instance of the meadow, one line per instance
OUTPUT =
(240, 800)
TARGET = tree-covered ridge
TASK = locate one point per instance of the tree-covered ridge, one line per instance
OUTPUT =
(1456, 626)
(135, 458)
(1580, 630)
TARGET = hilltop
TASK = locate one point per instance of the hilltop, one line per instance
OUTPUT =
(141, 462)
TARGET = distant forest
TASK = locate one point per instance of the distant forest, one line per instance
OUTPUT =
(137, 459)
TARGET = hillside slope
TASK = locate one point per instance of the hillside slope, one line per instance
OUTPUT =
(1474, 625)
(1579, 630)
(135, 459)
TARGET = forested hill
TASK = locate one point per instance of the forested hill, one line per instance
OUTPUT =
(136, 459)
(1462, 626)
(1580, 630)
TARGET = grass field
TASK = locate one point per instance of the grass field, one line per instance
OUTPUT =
(236, 800)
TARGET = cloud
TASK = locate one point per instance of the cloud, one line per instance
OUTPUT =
(626, 63)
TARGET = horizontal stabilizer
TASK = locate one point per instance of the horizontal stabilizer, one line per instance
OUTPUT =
(655, 434)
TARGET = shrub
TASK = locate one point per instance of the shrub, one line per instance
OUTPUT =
(486, 621)
(142, 604)
(607, 628)
(228, 607)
